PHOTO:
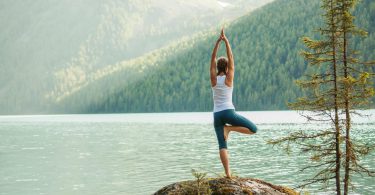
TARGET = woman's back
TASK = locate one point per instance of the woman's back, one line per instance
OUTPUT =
(222, 95)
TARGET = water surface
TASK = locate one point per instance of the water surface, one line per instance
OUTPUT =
(140, 153)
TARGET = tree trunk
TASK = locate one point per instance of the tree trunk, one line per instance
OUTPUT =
(336, 110)
(348, 120)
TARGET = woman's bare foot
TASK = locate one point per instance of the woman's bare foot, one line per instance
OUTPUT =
(226, 132)
(230, 176)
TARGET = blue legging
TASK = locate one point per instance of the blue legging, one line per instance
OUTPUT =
(232, 118)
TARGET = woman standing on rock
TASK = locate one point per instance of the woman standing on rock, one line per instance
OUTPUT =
(225, 117)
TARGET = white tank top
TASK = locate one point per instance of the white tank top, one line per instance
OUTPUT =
(222, 95)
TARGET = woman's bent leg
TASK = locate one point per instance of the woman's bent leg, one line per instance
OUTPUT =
(240, 124)
(238, 129)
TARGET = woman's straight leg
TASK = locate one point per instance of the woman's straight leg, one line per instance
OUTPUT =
(223, 153)
(224, 157)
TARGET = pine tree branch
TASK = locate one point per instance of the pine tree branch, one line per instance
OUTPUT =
(319, 165)
(312, 181)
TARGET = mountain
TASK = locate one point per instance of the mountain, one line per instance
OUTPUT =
(266, 45)
(48, 48)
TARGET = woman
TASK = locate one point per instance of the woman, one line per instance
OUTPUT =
(225, 117)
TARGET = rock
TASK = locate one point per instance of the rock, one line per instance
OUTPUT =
(223, 186)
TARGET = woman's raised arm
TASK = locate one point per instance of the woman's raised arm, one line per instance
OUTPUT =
(230, 73)
(213, 63)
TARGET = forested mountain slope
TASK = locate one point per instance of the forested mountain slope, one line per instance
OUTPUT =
(266, 45)
(49, 49)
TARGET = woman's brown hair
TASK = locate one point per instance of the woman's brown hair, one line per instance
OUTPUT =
(222, 64)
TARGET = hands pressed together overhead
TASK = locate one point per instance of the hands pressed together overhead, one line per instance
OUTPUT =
(222, 36)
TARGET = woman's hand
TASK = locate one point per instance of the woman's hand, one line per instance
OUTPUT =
(222, 35)
(219, 39)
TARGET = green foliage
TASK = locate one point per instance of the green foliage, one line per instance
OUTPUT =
(200, 186)
(51, 50)
(265, 45)
(103, 74)
(339, 84)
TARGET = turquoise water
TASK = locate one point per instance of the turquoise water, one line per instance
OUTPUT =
(140, 153)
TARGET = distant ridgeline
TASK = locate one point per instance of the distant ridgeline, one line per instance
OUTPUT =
(50, 51)
(266, 45)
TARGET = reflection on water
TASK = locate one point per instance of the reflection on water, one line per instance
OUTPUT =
(140, 153)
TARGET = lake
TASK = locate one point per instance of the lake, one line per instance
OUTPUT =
(140, 153)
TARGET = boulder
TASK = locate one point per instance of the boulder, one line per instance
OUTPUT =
(221, 186)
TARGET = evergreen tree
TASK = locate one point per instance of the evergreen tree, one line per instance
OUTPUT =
(321, 98)
(337, 87)
(356, 88)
